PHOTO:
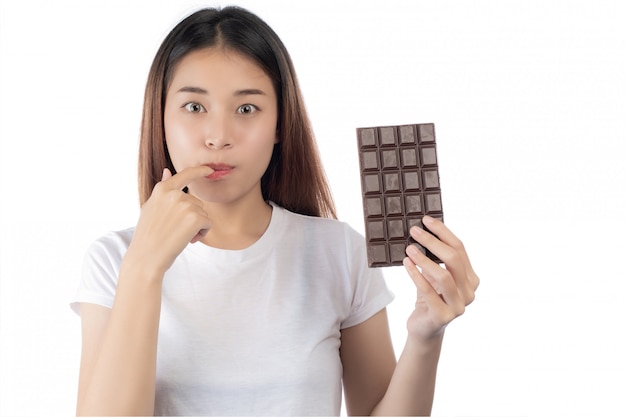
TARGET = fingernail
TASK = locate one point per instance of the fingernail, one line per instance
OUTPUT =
(411, 250)
(427, 220)
(416, 231)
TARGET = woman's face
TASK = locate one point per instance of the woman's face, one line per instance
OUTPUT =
(221, 110)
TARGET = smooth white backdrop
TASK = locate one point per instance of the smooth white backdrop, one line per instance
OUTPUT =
(529, 102)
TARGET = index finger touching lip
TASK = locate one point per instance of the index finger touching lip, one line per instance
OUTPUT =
(188, 175)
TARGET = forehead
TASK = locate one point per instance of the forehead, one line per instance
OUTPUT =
(210, 65)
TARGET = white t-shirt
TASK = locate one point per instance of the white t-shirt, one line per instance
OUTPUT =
(253, 331)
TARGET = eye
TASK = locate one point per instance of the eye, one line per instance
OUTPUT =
(193, 107)
(247, 109)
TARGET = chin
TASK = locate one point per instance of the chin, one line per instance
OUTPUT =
(220, 196)
(222, 193)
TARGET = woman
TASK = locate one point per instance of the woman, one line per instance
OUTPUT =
(238, 292)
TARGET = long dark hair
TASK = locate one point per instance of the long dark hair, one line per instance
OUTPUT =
(294, 178)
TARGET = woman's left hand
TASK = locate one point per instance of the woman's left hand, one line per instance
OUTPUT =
(442, 293)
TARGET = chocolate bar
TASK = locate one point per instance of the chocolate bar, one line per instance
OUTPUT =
(399, 184)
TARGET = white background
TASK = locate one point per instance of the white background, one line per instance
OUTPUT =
(529, 102)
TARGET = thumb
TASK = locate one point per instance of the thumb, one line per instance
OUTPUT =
(167, 174)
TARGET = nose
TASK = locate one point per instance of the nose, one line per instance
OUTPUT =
(217, 135)
(217, 143)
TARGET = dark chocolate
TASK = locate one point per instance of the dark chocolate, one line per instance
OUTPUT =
(399, 184)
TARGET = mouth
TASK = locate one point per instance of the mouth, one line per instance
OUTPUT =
(219, 171)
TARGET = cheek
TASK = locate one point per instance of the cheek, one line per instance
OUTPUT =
(261, 142)
(178, 140)
(262, 134)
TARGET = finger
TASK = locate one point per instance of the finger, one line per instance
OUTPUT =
(441, 241)
(439, 278)
(423, 286)
(196, 221)
(202, 233)
(440, 292)
(167, 174)
(445, 235)
(432, 243)
(442, 232)
(419, 258)
(451, 253)
(187, 176)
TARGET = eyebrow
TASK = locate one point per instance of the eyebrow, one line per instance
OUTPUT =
(197, 90)
(250, 92)
(244, 92)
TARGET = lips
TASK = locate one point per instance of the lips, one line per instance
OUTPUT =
(219, 167)
(219, 171)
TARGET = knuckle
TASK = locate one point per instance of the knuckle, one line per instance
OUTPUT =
(445, 282)
(190, 218)
(458, 310)
(470, 298)
(158, 188)
(457, 244)
(447, 318)
(445, 276)
(454, 257)
(476, 282)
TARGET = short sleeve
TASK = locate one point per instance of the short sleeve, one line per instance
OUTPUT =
(370, 294)
(101, 265)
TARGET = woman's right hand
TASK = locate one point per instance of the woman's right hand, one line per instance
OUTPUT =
(169, 220)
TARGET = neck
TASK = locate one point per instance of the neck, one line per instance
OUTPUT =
(237, 225)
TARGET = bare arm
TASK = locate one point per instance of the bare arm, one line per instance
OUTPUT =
(368, 362)
(412, 387)
(118, 364)
(442, 295)
(374, 383)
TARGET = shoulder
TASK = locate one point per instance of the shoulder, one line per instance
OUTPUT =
(111, 245)
(322, 227)
(119, 238)
(335, 238)
(104, 255)
(101, 264)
